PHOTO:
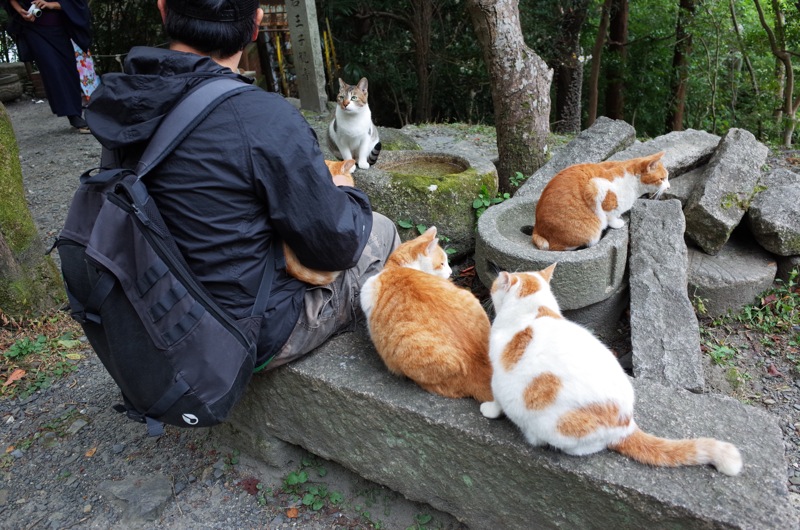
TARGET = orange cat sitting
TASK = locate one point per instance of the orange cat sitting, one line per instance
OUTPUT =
(296, 269)
(424, 326)
(582, 200)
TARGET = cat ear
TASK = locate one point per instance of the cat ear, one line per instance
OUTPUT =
(653, 160)
(548, 272)
(348, 166)
(342, 84)
(362, 84)
(502, 282)
(430, 232)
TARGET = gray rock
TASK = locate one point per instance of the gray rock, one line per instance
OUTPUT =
(665, 336)
(602, 318)
(733, 278)
(681, 187)
(143, 498)
(584, 276)
(595, 144)
(720, 199)
(444, 201)
(787, 264)
(342, 404)
(685, 150)
(774, 214)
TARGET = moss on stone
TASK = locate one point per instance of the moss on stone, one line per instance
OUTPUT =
(16, 221)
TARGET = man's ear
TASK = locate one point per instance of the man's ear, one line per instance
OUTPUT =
(162, 7)
(259, 16)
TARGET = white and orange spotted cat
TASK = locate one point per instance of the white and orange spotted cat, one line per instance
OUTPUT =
(424, 326)
(562, 387)
(584, 199)
(293, 266)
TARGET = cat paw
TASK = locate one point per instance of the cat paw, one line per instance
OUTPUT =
(616, 222)
(491, 409)
(363, 165)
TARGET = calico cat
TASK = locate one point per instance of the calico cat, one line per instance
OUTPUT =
(582, 200)
(352, 134)
(561, 386)
(293, 265)
(424, 326)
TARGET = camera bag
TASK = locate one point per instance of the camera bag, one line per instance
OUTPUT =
(177, 357)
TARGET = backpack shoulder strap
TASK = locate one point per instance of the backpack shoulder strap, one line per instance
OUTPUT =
(180, 121)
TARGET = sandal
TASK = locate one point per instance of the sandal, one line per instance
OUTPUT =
(79, 123)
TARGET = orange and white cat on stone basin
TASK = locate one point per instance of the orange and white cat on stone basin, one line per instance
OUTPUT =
(582, 200)
(562, 387)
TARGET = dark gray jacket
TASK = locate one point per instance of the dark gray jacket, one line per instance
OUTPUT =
(250, 172)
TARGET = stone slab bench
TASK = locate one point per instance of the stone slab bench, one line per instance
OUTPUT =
(343, 405)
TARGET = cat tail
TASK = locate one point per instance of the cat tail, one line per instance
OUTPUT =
(299, 271)
(655, 451)
(373, 155)
(540, 242)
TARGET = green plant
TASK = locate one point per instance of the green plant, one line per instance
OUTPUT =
(25, 346)
(316, 496)
(421, 520)
(777, 310)
(517, 179)
(721, 354)
(294, 481)
(731, 199)
(486, 199)
(699, 305)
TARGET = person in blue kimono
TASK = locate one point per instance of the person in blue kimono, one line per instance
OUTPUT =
(43, 32)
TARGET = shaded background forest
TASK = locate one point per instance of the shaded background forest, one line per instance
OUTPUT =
(660, 65)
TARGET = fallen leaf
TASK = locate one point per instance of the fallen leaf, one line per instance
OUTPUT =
(16, 375)
(774, 372)
(74, 356)
(10, 448)
(90, 453)
(65, 343)
(292, 513)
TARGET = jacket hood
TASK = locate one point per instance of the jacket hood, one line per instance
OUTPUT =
(127, 107)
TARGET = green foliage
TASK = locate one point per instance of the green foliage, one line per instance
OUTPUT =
(421, 522)
(486, 199)
(777, 310)
(408, 224)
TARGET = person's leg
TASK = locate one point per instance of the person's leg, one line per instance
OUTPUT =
(332, 309)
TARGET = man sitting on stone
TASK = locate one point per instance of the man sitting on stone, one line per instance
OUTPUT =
(250, 172)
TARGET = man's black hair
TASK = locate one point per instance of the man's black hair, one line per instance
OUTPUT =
(219, 28)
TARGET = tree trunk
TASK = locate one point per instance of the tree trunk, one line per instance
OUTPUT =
(597, 52)
(421, 16)
(785, 59)
(680, 66)
(29, 281)
(520, 88)
(568, 77)
(617, 47)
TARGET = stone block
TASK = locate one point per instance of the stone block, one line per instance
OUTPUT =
(432, 189)
(685, 150)
(602, 318)
(595, 144)
(342, 404)
(774, 214)
(584, 277)
(720, 199)
(681, 187)
(732, 278)
(665, 335)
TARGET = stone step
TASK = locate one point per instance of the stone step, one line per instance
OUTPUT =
(732, 278)
(685, 150)
(343, 405)
(774, 214)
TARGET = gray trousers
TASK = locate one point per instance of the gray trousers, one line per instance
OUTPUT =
(334, 308)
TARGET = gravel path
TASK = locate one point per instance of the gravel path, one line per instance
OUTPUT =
(79, 471)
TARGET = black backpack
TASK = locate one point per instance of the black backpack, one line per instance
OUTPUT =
(177, 357)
